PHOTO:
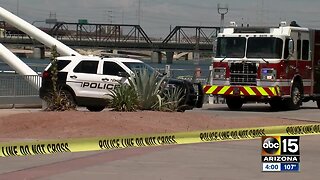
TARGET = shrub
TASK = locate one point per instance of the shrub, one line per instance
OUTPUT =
(146, 91)
(57, 100)
(171, 99)
(60, 101)
(124, 98)
(148, 87)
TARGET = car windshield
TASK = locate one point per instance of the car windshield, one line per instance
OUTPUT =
(231, 47)
(264, 47)
(137, 66)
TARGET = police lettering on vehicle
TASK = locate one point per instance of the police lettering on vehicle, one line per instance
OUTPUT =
(99, 85)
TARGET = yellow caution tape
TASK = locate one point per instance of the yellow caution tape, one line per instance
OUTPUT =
(109, 143)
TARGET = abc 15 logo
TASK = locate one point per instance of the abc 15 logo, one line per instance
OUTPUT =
(280, 145)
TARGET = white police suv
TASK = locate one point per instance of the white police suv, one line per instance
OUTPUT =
(87, 79)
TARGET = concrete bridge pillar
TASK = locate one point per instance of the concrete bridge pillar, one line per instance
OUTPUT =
(169, 56)
(156, 56)
(190, 56)
(38, 52)
(114, 51)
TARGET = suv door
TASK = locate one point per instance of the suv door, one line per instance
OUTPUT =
(111, 76)
(83, 79)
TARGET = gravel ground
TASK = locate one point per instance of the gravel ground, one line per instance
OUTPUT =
(36, 124)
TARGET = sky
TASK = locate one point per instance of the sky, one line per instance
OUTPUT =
(156, 16)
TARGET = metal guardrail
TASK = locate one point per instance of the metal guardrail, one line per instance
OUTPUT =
(15, 89)
(199, 78)
(192, 75)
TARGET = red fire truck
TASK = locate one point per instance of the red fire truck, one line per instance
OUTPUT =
(275, 65)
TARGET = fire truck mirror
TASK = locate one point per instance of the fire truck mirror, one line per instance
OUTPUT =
(215, 47)
(291, 47)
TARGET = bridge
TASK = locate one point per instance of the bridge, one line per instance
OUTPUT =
(120, 36)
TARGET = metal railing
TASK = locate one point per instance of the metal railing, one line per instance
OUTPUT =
(17, 89)
(203, 78)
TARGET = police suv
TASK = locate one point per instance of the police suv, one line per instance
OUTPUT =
(86, 80)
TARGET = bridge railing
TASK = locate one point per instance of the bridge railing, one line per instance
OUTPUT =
(99, 32)
(120, 36)
(15, 89)
(192, 35)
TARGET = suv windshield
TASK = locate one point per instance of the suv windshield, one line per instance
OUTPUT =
(136, 66)
(231, 47)
(264, 47)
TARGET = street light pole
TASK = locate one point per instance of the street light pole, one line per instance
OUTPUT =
(222, 11)
(110, 16)
(139, 11)
(18, 7)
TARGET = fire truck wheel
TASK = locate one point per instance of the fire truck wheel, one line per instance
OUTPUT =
(296, 97)
(234, 104)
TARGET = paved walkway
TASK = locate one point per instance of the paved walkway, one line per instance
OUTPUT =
(224, 160)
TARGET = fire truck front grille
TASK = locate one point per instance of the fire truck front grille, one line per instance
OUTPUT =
(243, 74)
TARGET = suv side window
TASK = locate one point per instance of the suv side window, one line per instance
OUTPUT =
(62, 64)
(112, 68)
(89, 67)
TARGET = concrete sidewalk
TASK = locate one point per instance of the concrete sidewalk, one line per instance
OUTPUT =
(7, 112)
(223, 160)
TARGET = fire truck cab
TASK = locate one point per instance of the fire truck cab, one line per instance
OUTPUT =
(275, 65)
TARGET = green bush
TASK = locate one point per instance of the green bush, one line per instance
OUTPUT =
(148, 87)
(146, 91)
(58, 100)
(171, 99)
(124, 98)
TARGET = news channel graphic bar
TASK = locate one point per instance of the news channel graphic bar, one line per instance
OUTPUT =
(280, 145)
(280, 167)
(280, 159)
(280, 153)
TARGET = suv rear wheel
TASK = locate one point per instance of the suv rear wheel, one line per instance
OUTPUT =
(69, 97)
(95, 108)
